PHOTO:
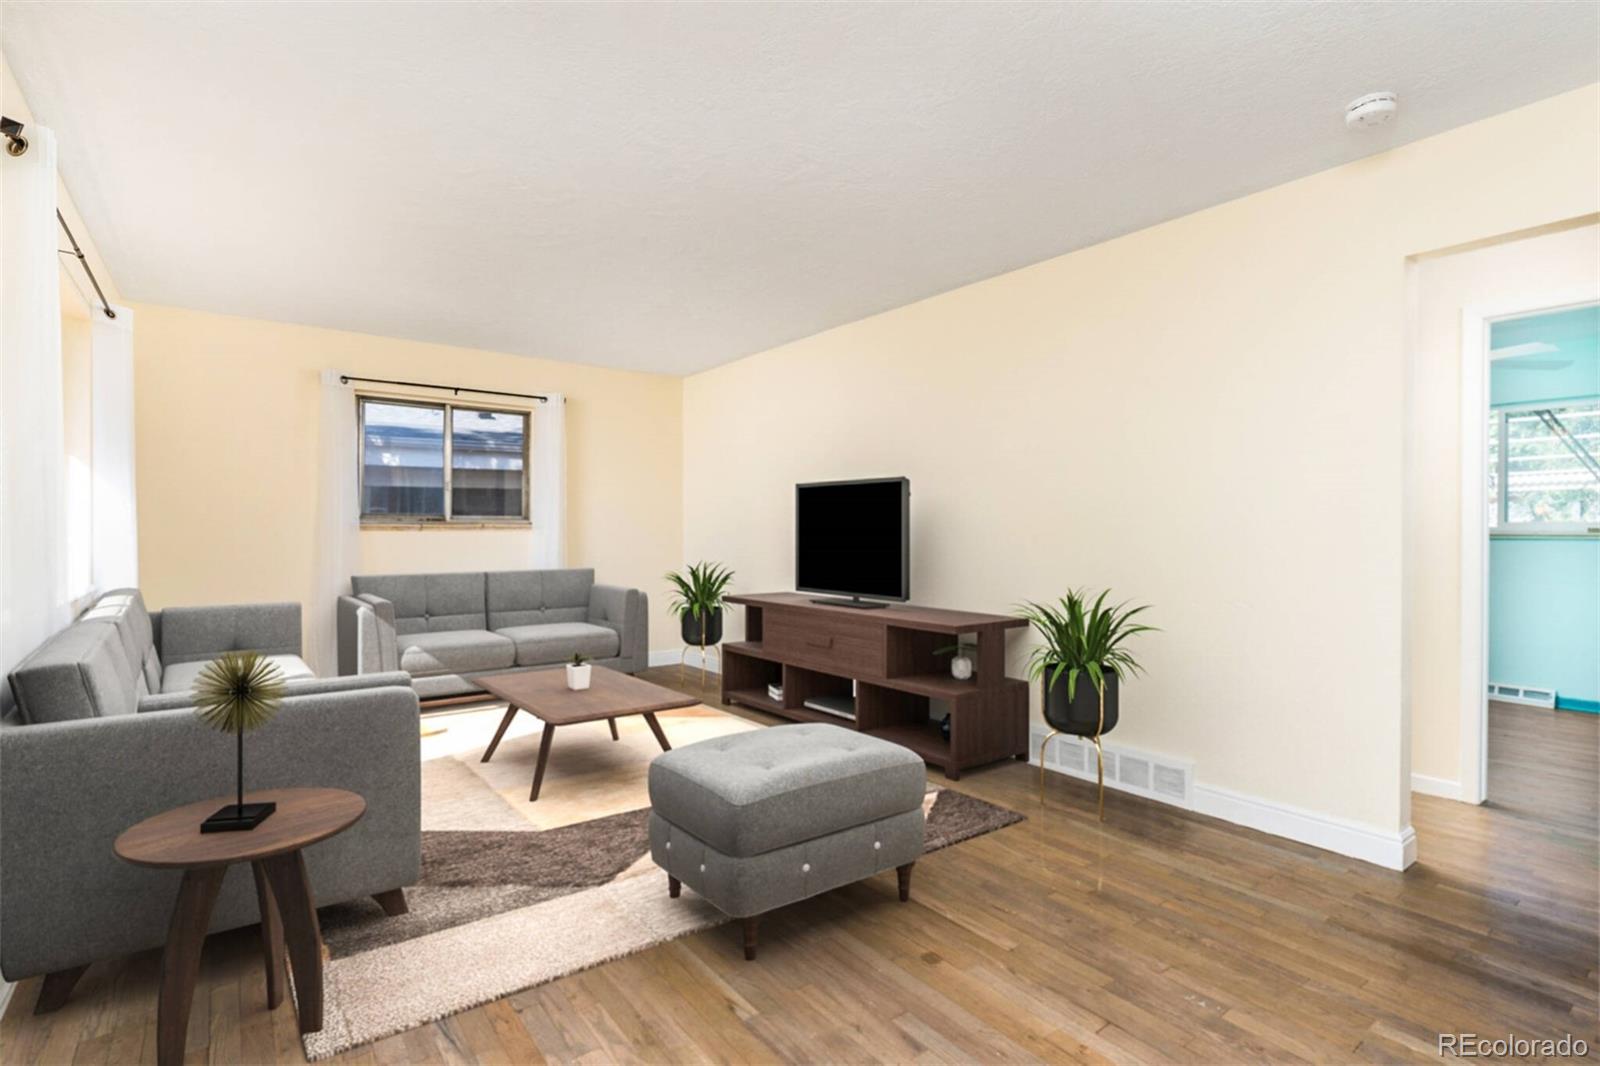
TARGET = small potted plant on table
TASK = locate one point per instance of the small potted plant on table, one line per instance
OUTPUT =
(1082, 643)
(697, 601)
(578, 671)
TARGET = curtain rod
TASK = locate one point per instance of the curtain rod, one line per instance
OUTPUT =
(17, 144)
(83, 261)
(345, 379)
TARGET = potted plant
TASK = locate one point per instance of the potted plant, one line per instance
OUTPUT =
(697, 601)
(1082, 661)
(961, 655)
(578, 671)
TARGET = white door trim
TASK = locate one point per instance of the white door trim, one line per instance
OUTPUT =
(1475, 322)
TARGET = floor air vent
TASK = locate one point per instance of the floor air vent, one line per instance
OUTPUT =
(1156, 776)
(1134, 772)
(1531, 695)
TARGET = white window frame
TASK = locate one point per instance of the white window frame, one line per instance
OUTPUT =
(447, 518)
(1498, 526)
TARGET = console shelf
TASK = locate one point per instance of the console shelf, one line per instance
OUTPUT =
(891, 658)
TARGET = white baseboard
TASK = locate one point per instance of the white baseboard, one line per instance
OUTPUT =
(1436, 786)
(670, 657)
(1395, 851)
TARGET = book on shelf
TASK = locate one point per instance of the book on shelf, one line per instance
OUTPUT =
(838, 706)
(775, 692)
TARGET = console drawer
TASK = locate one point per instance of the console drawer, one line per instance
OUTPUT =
(824, 640)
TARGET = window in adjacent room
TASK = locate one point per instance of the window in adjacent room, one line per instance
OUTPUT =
(1544, 471)
(438, 462)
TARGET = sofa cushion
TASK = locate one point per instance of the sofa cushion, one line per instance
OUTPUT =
(749, 793)
(80, 672)
(428, 603)
(558, 641)
(200, 634)
(454, 651)
(124, 608)
(180, 677)
(532, 597)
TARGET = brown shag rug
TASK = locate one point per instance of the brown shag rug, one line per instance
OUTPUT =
(510, 906)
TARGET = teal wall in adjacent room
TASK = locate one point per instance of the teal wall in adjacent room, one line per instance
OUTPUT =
(1571, 371)
(1544, 592)
(1544, 614)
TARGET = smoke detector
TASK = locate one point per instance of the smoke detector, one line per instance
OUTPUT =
(1373, 109)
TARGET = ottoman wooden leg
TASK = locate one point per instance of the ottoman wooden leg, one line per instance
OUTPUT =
(674, 886)
(750, 925)
(905, 881)
(393, 902)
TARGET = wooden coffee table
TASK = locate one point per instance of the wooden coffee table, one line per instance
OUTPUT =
(610, 695)
(288, 909)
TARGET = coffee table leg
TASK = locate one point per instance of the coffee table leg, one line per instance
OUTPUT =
(511, 712)
(544, 757)
(655, 727)
(292, 890)
(180, 961)
(271, 936)
(612, 722)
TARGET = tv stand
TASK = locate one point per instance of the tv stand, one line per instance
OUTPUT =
(896, 663)
(855, 602)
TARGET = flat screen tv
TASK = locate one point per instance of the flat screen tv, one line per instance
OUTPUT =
(853, 538)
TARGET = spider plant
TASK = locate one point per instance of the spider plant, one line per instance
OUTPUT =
(1083, 640)
(699, 592)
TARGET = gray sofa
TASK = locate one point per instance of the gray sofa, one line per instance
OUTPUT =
(103, 735)
(447, 630)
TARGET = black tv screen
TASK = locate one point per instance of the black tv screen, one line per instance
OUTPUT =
(853, 538)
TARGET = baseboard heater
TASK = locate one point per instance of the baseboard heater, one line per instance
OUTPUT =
(1532, 695)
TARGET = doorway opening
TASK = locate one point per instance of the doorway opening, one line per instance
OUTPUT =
(1540, 552)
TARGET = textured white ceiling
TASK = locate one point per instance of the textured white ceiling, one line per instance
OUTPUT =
(667, 187)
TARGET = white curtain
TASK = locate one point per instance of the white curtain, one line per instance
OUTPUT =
(548, 481)
(33, 561)
(338, 530)
(116, 516)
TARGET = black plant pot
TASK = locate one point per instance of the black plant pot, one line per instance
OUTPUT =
(1079, 716)
(703, 631)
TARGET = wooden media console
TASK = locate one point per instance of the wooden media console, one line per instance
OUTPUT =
(816, 649)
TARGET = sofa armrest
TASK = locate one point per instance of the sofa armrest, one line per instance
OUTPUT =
(67, 789)
(192, 634)
(366, 635)
(168, 701)
(628, 612)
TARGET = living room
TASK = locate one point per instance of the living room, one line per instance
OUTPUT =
(368, 371)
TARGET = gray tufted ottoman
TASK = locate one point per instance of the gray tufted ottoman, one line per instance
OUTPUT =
(757, 820)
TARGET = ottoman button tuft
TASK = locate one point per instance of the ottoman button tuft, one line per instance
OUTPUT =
(702, 867)
(805, 867)
(877, 845)
(669, 845)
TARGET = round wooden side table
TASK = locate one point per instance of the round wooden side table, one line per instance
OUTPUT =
(173, 840)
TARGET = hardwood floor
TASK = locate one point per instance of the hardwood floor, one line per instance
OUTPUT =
(1158, 936)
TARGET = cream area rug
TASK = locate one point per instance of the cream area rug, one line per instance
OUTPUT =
(514, 894)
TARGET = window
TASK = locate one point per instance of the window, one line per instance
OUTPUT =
(1543, 472)
(435, 462)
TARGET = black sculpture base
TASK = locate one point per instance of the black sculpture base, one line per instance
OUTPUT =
(233, 817)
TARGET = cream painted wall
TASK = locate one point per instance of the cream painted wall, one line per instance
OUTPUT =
(1523, 272)
(227, 422)
(1208, 415)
